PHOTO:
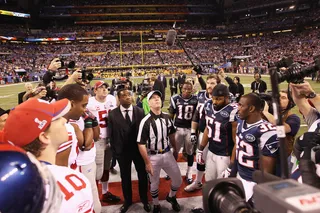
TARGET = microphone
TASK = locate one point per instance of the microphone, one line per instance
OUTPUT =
(171, 37)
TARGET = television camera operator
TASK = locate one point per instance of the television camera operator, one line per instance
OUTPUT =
(142, 91)
(291, 121)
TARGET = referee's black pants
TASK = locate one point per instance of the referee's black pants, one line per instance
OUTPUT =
(125, 161)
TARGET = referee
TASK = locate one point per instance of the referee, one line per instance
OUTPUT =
(156, 130)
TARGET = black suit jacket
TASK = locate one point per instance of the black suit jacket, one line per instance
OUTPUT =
(173, 82)
(20, 96)
(164, 81)
(123, 137)
(261, 86)
(159, 86)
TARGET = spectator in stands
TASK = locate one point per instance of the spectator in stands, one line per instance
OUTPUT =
(258, 86)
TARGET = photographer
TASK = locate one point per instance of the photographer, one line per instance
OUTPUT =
(291, 121)
(39, 92)
(235, 87)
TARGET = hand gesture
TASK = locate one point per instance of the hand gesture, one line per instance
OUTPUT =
(149, 169)
(55, 64)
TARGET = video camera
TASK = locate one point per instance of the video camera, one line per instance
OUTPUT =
(144, 88)
(273, 195)
(294, 73)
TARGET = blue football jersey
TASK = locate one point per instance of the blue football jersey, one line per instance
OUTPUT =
(203, 97)
(251, 140)
(183, 110)
(219, 124)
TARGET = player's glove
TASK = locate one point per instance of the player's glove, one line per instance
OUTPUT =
(193, 138)
(226, 173)
(199, 157)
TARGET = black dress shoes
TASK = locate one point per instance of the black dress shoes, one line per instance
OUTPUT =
(147, 207)
(124, 208)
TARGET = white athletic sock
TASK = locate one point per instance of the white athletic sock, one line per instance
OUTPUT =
(172, 193)
(105, 187)
(199, 176)
(155, 201)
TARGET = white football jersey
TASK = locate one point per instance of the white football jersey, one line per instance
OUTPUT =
(75, 189)
(101, 110)
(73, 143)
(85, 157)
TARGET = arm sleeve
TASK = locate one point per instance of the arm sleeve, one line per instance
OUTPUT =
(229, 80)
(172, 107)
(294, 122)
(269, 144)
(171, 127)
(196, 117)
(143, 133)
(312, 116)
(202, 83)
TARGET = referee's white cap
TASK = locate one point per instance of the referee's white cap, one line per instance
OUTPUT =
(150, 94)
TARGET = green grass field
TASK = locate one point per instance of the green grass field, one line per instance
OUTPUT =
(9, 93)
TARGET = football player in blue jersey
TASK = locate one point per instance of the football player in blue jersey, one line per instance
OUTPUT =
(257, 142)
(199, 123)
(182, 108)
(219, 133)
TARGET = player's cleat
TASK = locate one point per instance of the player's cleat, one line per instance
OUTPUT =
(110, 198)
(156, 209)
(189, 180)
(197, 210)
(174, 204)
(167, 177)
(193, 187)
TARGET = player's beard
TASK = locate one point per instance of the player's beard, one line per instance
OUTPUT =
(218, 107)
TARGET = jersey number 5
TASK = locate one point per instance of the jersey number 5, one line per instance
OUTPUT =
(76, 182)
(102, 118)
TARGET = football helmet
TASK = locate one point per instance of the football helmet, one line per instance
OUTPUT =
(26, 185)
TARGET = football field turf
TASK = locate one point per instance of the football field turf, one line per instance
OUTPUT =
(9, 93)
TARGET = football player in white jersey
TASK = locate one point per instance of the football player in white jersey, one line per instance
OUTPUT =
(68, 151)
(88, 125)
(39, 128)
(100, 105)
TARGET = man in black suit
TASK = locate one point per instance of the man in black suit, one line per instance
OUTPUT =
(163, 80)
(181, 79)
(157, 85)
(258, 86)
(29, 88)
(123, 126)
(173, 82)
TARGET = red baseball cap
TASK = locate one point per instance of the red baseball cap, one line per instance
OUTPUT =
(100, 84)
(26, 121)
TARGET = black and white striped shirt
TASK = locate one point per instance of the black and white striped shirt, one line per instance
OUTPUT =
(154, 131)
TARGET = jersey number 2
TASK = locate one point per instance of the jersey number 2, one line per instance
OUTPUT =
(78, 185)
